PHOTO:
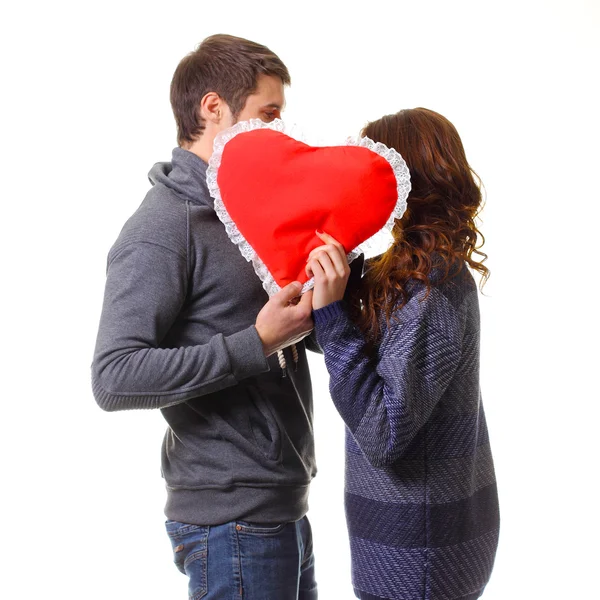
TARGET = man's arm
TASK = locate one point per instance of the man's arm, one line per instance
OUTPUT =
(145, 290)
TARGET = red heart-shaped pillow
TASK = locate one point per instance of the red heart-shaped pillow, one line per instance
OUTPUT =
(273, 191)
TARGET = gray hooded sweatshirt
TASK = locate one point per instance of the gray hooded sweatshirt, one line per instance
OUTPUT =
(177, 333)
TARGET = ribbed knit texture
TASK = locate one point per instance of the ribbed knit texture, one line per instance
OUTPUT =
(325, 314)
(421, 499)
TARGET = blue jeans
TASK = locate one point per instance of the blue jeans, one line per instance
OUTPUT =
(244, 561)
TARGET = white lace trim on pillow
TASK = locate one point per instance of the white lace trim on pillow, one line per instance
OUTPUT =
(375, 245)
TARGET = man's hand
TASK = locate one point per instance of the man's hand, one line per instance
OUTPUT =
(329, 266)
(281, 322)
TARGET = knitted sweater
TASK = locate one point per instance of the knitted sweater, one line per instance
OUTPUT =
(421, 499)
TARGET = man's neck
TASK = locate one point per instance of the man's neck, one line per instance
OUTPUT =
(203, 147)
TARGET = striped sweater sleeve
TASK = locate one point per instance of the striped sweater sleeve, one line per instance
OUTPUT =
(386, 398)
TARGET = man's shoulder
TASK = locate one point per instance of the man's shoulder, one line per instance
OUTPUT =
(160, 219)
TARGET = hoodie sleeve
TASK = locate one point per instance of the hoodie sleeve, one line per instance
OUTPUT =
(145, 291)
(385, 399)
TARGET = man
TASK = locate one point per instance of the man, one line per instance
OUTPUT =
(187, 328)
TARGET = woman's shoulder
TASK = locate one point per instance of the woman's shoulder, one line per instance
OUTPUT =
(445, 302)
(453, 282)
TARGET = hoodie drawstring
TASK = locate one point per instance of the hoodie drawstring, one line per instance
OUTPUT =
(283, 362)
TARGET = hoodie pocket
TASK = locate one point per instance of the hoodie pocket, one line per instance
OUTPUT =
(243, 416)
(263, 424)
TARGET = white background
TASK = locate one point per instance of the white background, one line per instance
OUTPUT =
(85, 114)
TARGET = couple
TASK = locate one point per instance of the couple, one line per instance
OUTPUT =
(187, 328)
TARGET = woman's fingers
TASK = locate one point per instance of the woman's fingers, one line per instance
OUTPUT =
(314, 251)
(326, 262)
(330, 284)
(321, 267)
(328, 239)
(335, 250)
(314, 269)
(339, 261)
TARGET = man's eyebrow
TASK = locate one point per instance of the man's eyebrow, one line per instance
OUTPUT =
(273, 105)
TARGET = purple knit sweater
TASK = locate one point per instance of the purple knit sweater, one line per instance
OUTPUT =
(421, 499)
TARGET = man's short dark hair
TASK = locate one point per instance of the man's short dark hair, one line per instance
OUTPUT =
(224, 64)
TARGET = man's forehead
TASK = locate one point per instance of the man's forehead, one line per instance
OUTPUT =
(275, 105)
(268, 99)
(270, 90)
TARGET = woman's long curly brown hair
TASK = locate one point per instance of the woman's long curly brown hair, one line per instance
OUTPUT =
(438, 229)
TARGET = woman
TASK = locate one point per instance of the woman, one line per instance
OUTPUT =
(402, 351)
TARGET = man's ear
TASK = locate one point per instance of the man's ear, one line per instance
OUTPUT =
(213, 108)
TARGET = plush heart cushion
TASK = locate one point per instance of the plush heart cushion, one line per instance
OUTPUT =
(278, 191)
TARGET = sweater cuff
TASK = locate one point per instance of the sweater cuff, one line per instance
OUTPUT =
(322, 316)
(246, 353)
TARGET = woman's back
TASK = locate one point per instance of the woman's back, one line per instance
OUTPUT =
(420, 484)
(403, 360)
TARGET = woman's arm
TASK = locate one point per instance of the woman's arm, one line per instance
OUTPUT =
(385, 399)
(356, 270)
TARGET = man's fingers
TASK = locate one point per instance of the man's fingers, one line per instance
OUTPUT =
(305, 304)
(306, 299)
(286, 294)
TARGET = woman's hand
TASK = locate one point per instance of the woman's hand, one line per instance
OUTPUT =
(329, 266)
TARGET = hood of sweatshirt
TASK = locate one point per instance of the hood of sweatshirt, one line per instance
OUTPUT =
(185, 175)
